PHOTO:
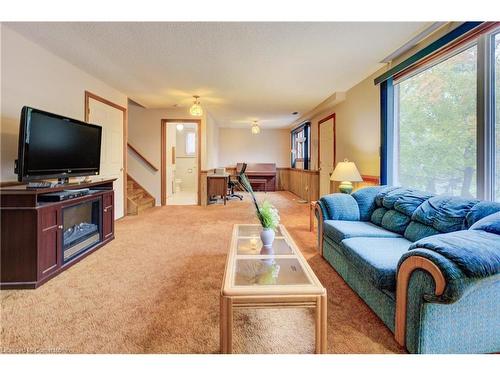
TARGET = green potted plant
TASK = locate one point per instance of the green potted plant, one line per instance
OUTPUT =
(267, 214)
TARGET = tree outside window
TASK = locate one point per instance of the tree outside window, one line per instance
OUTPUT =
(436, 127)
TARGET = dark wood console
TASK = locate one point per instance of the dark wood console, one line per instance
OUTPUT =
(33, 245)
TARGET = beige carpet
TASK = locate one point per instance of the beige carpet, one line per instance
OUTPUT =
(155, 289)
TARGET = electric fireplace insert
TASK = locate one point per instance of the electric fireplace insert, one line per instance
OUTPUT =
(81, 228)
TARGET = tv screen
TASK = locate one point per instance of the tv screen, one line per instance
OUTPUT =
(53, 146)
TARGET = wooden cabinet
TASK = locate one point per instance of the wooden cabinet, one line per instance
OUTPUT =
(108, 215)
(32, 248)
(49, 242)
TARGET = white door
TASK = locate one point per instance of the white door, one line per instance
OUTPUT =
(326, 157)
(111, 120)
(195, 166)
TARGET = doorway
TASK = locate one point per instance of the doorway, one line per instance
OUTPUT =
(326, 153)
(113, 120)
(181, 155)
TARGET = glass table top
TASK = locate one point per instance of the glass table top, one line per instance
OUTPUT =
(269, 271)
(253, 230)
(253, 246)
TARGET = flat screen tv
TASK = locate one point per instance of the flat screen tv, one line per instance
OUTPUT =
(54, 146)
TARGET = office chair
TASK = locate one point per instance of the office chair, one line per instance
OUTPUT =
(233, 183)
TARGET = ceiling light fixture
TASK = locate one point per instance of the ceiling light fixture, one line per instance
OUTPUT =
(180, 127)
(255, 128)
(196, 109)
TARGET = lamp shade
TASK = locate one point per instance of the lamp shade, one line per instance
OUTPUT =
(346, 171)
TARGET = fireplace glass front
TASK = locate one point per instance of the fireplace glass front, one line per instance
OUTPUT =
(81, 228)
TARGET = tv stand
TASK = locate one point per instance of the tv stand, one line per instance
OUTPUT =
(42, 239)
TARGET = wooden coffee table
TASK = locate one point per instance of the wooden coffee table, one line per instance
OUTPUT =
(282, 279)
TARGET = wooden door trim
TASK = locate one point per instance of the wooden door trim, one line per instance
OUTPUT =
(163, 163)
(332, 116)
(89, 95)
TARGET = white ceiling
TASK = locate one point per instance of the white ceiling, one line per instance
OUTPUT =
(242, 71)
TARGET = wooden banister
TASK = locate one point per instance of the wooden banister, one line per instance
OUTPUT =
(143, 158)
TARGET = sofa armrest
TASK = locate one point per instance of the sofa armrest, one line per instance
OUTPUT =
(425, 276)
(334, 207)
(339, 206)
(405, 271)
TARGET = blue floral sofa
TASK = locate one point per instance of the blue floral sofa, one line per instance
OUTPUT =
(428, 266)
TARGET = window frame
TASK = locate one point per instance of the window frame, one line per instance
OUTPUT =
(306, 154)
(458, 40)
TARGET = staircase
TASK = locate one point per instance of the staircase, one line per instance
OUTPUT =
(138, 199)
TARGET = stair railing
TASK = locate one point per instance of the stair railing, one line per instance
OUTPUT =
(143, 158)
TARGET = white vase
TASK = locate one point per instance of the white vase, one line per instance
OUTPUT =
(267, 237)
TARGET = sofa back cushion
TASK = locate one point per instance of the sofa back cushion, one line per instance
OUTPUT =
(366, 199)
(378, 215)
(416, 231)
(395, 221)
(395, 207)
(417, 214)
(409, 202)
(481, 210)
(490, 223)
(444, 213)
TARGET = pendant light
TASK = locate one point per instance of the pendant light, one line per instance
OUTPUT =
(196, 109)
(255, 128)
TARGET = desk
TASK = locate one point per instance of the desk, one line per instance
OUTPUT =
(217, 184)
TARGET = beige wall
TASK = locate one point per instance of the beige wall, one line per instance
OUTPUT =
(35, 77)
(212, 144)
(358, 127)
(240, 145)
(144, 133)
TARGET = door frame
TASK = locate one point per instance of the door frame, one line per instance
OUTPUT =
(163, 165)
(332, 116)
(89, 95)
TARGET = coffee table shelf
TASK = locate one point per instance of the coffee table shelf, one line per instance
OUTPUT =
(279, 278)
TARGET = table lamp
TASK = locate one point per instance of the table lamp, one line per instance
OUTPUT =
(346, 172)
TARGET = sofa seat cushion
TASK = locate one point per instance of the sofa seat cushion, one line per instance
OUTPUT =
(377, 258)
(338, 230)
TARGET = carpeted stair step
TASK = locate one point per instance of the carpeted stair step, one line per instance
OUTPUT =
(145, 203)
(138, 199)
(136, 195)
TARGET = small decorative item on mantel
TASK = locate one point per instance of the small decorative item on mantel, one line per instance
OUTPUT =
(268, 216)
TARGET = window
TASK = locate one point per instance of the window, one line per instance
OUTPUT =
(497, 116)
(440, 113)
(301, 146)
(190, 143)
(436, 127)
